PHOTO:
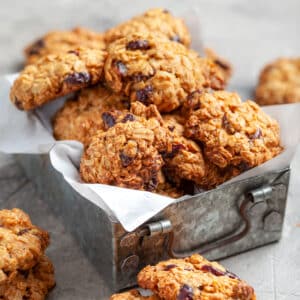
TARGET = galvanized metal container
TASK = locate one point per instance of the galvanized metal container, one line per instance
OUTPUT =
(219, 223)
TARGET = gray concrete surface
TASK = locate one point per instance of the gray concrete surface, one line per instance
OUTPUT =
(249, 33)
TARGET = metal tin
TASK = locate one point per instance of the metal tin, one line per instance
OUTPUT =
(219, 223)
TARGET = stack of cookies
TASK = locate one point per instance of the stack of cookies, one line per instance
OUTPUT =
(25, 271)
(151, 112)
(192, 278)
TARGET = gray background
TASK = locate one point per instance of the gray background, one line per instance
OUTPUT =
(249, 34)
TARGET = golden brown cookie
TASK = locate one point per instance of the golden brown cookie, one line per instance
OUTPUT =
(223, 65)
(58, 42)
(57, 75)
(194, 278)
(80, 118)
(157, 71)
(185, 160)
(166, 188)
(279, 82)
(234, 133)
(124, 155)
(132, 295)
(33, 284)
(21, 243)
(156, 21)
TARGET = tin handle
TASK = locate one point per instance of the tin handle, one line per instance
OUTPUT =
(260, 194)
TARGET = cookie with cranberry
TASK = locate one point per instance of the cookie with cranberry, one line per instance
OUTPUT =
(81, 117)
(33, 284)
(58, 42)
(57, 75)
(21, 243)
(132, 295)
(154, 70)
(157, 21)
(279, 82)
(194, 278)
(233, 133)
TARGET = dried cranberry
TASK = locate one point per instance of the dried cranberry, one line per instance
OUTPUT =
(138, 45)
(125, 159)
(128, 118)
(226, 125)
(185, 293)
(213, 270)
(175, 149)
(36, 47)
(256, 135)
(176, 38)
(108, 119)
(144, 94)
(122, 69)
(169, 267)
(78, 78)
(222, 64)
(171, 128)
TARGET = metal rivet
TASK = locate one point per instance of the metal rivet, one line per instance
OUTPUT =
(273, 221)
(130, 264)
(129, 240)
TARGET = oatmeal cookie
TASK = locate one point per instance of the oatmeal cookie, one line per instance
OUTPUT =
(33, 284)
(234, 133)
(57, 42)
(132, 295)
(124, 155)
(157, 21)
(21, 243)
(194, 278)
(222, 64)
(185, 160)
(57, 75)
(157, 71)
(166, 188)
(279, 82)
(80, 118)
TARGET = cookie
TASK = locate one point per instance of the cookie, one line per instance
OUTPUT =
(233, 133)
(21, 243)
(279, 82)
(168, 189)
(57, 75)
(156, 21)
(157, 71)
(33, 284)
(222, 64)
(58, 42)
(194, 278)
(132, 295)
(124, 156)
(185, 160)
(81, 117)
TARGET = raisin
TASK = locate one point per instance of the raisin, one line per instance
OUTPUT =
(36, 47)
(226, 125)
(78, 78)
(175, 149)
(243, 166)
(128, 118)
(144, 94)
(138, 45)
(18, 104)
(125, 159)
(256, 135)
(176, 38)
(211, 269)
(169, 267)
(122, 69)
(151, 185)
(185, 293)
(23, 231)
(108, 119)
(171, 128)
